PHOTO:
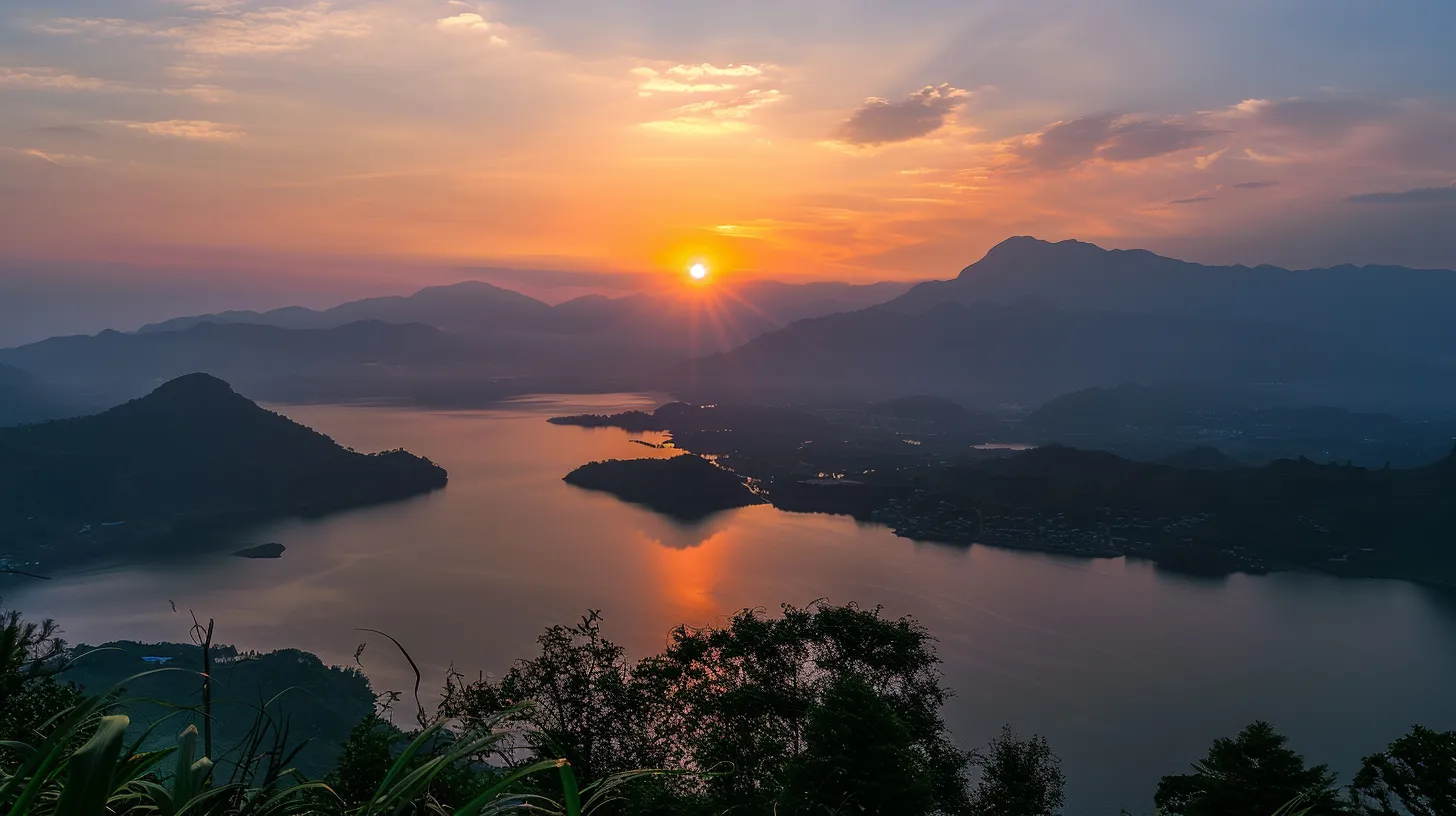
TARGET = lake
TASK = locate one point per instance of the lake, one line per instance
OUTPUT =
(1130, 672)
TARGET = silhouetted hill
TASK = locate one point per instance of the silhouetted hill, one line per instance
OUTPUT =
(1100, 410)
(321, 703)
(1156, 421)
(925, 407)
(685, 487)
(254, 356)
(1031, 351)
(24, 398)
(462, 306)
(1392, 309)
(711, 319)
(1203, 457)
(191, 456)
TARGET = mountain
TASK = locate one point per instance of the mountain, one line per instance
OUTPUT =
(1203, 457)
(259, 358)
(24, 398)
(189, 459)
(462, 306)
(1030, 351)
(925, 407)
(786, 302)
(1157, 421)
(1391, 309)
(710, 319)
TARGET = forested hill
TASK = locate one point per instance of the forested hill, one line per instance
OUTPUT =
(192, 454)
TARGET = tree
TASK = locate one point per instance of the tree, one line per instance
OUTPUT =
(821, 708)
(1253, 774)
(1417, 771)
(30, 656)
(858, 757)
(1018, 777)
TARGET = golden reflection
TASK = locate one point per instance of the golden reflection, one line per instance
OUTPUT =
(686, 570)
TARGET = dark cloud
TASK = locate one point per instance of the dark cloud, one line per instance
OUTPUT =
(1255, 185)
(880, 121)
(1142, 139)
(1193, 200)
(1420, 195)
(1113, 137)
(1066, 144)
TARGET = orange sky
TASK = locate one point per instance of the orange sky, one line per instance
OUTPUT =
(851, 141)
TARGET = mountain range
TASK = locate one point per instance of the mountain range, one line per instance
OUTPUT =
(1390, 309)
(1030, 351)
(1029, 321)
(1035, 319)
(711, 319)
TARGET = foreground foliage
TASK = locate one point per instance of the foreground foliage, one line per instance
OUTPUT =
(822, 710)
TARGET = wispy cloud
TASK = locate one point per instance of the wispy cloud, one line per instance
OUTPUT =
(52, 79)
(1254, 185)
(1115, 138)
(471, 23)
(227, 29)
(191, 129)
(1419, 195)
(880, 121)
(700, 78)
(1199, 199)
(57, 159)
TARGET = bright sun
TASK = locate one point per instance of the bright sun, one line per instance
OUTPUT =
(698, 271)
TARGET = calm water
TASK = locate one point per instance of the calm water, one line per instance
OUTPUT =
(1128, 671)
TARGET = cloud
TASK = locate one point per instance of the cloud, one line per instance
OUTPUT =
(1314, 115)
(691, 78)
(1420, 195)
(1115, 138)
(51, 79)
(1138, 139)
(880, 121)
(708, 70)
(191, 129)
(738, 107)
(471, 22)
(54, 80)
(57, 159)
(225, 29)
(1254, 185)
(716, 116)
(1205, 162)
(1194, 200)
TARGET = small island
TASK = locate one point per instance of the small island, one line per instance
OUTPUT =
(688, 488)
(270, 550)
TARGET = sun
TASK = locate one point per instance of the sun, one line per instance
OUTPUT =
(698, 271)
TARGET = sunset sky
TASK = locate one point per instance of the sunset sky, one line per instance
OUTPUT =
(314, 148)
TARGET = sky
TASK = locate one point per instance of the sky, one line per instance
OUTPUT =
(171, 154)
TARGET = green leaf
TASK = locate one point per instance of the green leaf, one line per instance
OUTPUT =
(92, 770)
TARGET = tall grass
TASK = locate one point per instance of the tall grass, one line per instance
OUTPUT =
(85, 767)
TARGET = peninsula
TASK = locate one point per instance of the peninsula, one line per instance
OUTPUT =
(176, 471)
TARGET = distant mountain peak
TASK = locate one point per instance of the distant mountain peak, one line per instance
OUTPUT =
(1026, 249)
(190, 392)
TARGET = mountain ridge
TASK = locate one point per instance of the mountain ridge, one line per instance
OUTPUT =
(1397, 309)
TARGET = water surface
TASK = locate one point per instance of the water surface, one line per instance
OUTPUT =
(1130, 672)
